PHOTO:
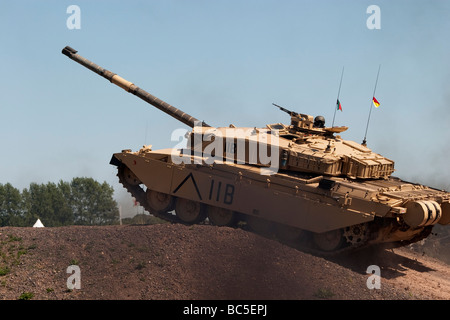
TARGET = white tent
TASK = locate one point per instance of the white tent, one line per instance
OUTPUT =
(38, 224)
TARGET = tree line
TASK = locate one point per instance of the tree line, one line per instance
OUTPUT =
(83, 201)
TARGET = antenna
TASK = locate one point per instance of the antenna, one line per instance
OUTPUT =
(338, 106)
(337, 101)
(364, 143)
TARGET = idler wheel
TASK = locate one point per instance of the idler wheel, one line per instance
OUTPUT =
(329, 241)
(160, 202)
(288, 233)
(190, 211)
(221, 217)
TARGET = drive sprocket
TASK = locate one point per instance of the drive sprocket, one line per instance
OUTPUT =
(356, 235)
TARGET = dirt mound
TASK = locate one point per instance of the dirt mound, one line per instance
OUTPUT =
(168, 261)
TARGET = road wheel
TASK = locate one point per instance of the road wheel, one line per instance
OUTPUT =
(160, 202)
(329, 241)
(221, 217)
(190, 211)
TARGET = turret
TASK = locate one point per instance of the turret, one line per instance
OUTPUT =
(130, 87)
(305, 146)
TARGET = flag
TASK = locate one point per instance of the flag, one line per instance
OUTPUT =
(338, 105)
(375, 102)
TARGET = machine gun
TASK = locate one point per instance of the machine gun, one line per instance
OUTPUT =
(289, 112)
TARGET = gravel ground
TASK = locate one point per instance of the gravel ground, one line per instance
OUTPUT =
(200, 262)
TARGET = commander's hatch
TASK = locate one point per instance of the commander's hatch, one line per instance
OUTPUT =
(278, 126)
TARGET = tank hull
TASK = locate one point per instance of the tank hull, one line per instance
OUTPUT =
(371, 211)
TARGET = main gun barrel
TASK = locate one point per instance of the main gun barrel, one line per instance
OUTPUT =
(130, 87)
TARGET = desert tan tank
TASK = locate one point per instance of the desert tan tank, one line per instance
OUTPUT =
(301, 182)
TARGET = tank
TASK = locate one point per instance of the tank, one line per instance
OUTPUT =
(301, 182)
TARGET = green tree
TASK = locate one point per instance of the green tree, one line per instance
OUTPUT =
(27, 219)
(62, 201)
(11, 212)
(58, 211)
(83, 201)
(39, 204)
(92, 202)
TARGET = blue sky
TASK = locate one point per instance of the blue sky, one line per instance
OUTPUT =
(222, 62)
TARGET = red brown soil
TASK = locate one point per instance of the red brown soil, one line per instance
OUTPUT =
(168, 261)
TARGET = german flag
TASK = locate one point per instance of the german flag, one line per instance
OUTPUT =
(375, 102)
